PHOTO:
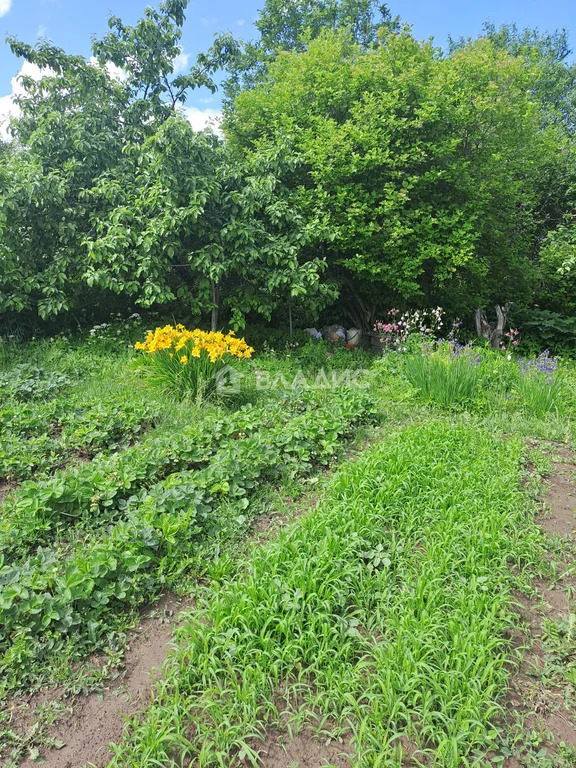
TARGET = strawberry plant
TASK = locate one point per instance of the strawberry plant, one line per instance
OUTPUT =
(27, 382)
(41, 437)
(76, 593)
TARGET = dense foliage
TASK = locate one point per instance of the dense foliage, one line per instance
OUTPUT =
(359, 169)
(424, 166)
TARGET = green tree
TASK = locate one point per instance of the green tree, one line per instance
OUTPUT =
(290, 26)
(188, 222)
(424, 166)
(70, 131)
(553, 72)
(558, 267)
(77, 125)
(547, 57)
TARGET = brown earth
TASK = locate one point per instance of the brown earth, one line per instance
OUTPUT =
(303, 751)
(97, 719)
(5, 488)
(543, 708)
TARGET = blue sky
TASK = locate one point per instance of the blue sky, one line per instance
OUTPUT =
(70, 24)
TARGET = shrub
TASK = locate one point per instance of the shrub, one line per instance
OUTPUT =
(551, 329)
(539, 384)
(188, 361)
(449, 375)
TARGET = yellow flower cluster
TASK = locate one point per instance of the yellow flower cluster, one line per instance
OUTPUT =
(177, 338)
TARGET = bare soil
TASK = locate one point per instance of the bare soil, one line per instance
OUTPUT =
(545, 709)
(304, 751)
(5, 488)
(97, 719)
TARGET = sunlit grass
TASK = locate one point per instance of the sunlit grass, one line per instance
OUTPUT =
(381, 613)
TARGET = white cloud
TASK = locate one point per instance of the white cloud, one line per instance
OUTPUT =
(206, 21)
(180, 62)
(204, 118)
(198, 118)
(41, 31)
(5, 6)
(116, 73)
(8, 109)
(240, 22)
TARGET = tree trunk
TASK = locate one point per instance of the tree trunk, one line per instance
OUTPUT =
(492, 332)
(361, 313)
(215, 305)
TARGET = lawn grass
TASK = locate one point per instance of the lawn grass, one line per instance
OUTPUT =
(380, 614)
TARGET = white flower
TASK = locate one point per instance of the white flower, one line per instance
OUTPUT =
(509, 357)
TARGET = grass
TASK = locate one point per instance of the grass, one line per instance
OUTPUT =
(541, 393)
(380, 614)
(444, 380)
(479, 379)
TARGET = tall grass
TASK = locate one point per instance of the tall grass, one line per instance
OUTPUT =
(539, 384)
(443, 378)
(450, 374)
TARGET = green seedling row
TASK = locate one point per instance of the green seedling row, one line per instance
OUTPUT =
(381, 618)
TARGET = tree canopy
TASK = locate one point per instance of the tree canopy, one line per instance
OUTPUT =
(358, 167)
(424, 166)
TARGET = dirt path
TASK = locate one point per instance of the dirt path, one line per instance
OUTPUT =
(541, 700)
(98, 718)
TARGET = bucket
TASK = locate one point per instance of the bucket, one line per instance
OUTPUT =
(353, 336)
